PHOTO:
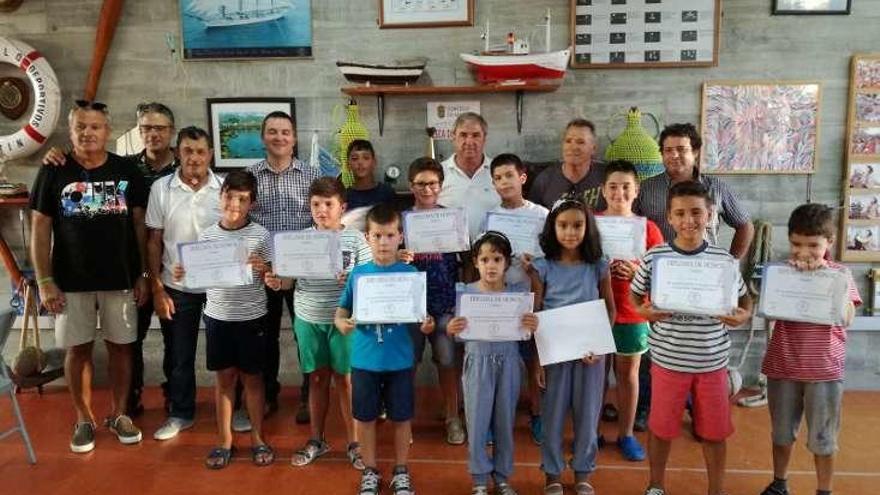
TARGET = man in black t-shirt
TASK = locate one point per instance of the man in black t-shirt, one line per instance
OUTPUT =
(87, 245)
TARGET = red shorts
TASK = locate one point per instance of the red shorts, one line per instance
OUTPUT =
(711, 396)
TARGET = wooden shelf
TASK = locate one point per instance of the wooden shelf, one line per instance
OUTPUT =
(380, 91)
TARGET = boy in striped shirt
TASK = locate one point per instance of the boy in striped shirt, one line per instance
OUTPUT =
(235, 322)
(324, 352)
(690, 352)
(805, 361)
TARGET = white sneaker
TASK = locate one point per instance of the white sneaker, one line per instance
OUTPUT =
(171, 427)
(241, 423)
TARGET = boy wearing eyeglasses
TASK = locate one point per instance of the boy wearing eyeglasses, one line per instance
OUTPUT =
(443, 272)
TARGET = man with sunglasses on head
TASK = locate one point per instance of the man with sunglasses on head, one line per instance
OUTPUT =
(88, 248)
(157, 159)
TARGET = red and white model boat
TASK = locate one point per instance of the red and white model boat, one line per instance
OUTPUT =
(515, 64)
(506, 68)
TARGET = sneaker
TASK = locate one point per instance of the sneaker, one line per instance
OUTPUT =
(401, 484)
(171, 427)
(480, 490)
(641, 421)
(653, 490)
(609, 413)
(241, 423)
(631, 448)
(537, 427)
(504, 489)
(370, 482)
(124, 429)
(455, 431)
(83, 439)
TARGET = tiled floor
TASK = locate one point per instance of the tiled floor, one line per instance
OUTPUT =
(175, 467)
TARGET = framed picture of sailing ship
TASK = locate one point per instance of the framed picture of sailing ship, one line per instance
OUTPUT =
(242, 29)
(609, 34)
(235, 123)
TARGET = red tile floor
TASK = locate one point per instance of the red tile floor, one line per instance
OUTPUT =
(175, 467)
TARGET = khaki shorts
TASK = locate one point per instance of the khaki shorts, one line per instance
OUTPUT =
(78, 323)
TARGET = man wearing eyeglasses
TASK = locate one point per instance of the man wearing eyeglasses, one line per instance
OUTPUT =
(680, 145)
(88, 248)
(157, 159)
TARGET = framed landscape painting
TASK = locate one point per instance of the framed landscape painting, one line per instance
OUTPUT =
(241, 29)
(760, 127)
(235, 125)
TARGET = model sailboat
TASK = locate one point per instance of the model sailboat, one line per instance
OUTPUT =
(516, 64)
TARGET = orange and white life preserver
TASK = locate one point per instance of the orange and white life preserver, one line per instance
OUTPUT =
(47, 98)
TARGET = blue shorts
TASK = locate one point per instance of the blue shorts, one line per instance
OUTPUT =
(236, 344)
(370, 390)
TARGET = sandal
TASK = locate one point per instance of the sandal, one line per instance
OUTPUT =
(554, 488)
(219, 457)
(262, 455)
(354, 456)
(312, 450)
(584, 488)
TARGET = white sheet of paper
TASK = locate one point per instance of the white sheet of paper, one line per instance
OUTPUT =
(522, 230)
(572, 332)
(391, 298)
(307, 254)
(694, 285)
(623, 238)
(439, 230)
(494, 317)
(213, 264)
(817, 296)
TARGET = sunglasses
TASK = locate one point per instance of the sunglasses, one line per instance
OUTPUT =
(91, 105)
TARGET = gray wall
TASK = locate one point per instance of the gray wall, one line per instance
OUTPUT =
(754, 45)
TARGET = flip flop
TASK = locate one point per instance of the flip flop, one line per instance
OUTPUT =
(262, 455)
(219, 457)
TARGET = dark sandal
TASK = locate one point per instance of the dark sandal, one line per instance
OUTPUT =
(262, 455)
(354, 456)
(219, 457)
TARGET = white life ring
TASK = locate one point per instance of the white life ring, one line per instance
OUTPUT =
(47, 98)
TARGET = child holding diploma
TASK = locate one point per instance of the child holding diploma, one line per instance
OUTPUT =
(324, 352)
(381, 359)
(235, 323)
(491, 376)
(620, 188)
(689, 352)
(508, 177)
(573, 271)
(804, 361)
(443, 271)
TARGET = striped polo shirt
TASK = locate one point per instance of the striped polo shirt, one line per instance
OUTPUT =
(651, 203)
(684, 342)
(316, 300)
(809, 352)
(245, 302)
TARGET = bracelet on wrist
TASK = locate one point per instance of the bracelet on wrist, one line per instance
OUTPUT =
(44, 280)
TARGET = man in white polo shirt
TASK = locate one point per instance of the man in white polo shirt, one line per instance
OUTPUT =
(181, 206)
(467, 179)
